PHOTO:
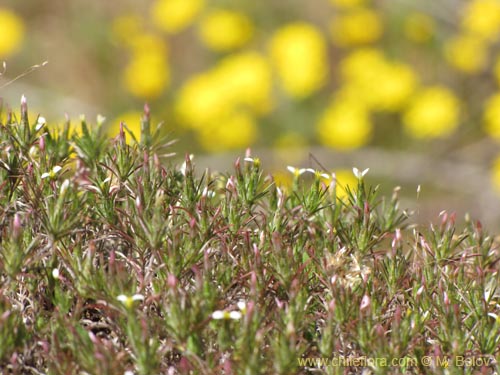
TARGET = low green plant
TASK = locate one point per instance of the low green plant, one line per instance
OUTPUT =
(114, 259)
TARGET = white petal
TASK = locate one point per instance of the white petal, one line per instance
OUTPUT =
(137, 297)
(235, 315)
(218, 315)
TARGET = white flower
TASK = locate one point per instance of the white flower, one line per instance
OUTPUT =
(296, 171)
(55, 273)
(242, 305)
(182, 169)
(318, 174)
(226, 315)
(40, 123)
(359, 175)
(52, 173)
(128, 301)
(100, 120)
(64, 186)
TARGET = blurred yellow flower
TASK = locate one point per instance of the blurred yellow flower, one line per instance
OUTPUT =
(361, 62)
(236, 130)
(223, 30)
(299, 54)
(491, 117)
(419, 27)
(467, 53)
(345, 125)
(133, 121)
(239, 81)
(246, 78)
(355, 27)
(201, 100)
(345, 180)
(433, 113)
(495, 174)
(11, 32)
(347, 3)
(125, 26)
(173, 16)
(482, 18)
(147, 75)
(384, 86)
(283, 179)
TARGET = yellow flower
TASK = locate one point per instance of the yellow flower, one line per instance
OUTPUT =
(147, 75)
(11, 32)
(360, 64)
(133, 121)
(495, 174)
(125, 26)
(419, 27)
(240, 81)
(491, 117)
(356, 26)
(384, 86)
(236, 130)
(223, 30)
(482, 17)
(201, 100)
(347, 3)
(433, 113)
(173, 16)
(344, 125)
(298, 52)
(467, 53)
(246, 78)
(283, 180)
(345, 180)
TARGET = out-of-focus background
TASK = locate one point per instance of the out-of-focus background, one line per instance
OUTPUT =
(407, 88)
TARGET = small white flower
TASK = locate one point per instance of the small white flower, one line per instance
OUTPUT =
(242, 305)
(359, 175)
(52, 173)
(297, 171)
(128, 301)
(40, 123)
(318, 174)
(226, 315)
(182, 169)
(128, 372)
(100, 120)
(55, 273)
(64, 186)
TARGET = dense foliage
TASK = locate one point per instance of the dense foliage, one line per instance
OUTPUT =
(114, 260)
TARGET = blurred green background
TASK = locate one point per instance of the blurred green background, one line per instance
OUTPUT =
(407, 88)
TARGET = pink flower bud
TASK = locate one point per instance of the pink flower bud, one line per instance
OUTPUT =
(41, 143)
(16, 226)
(171, 281)
(365, 303)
